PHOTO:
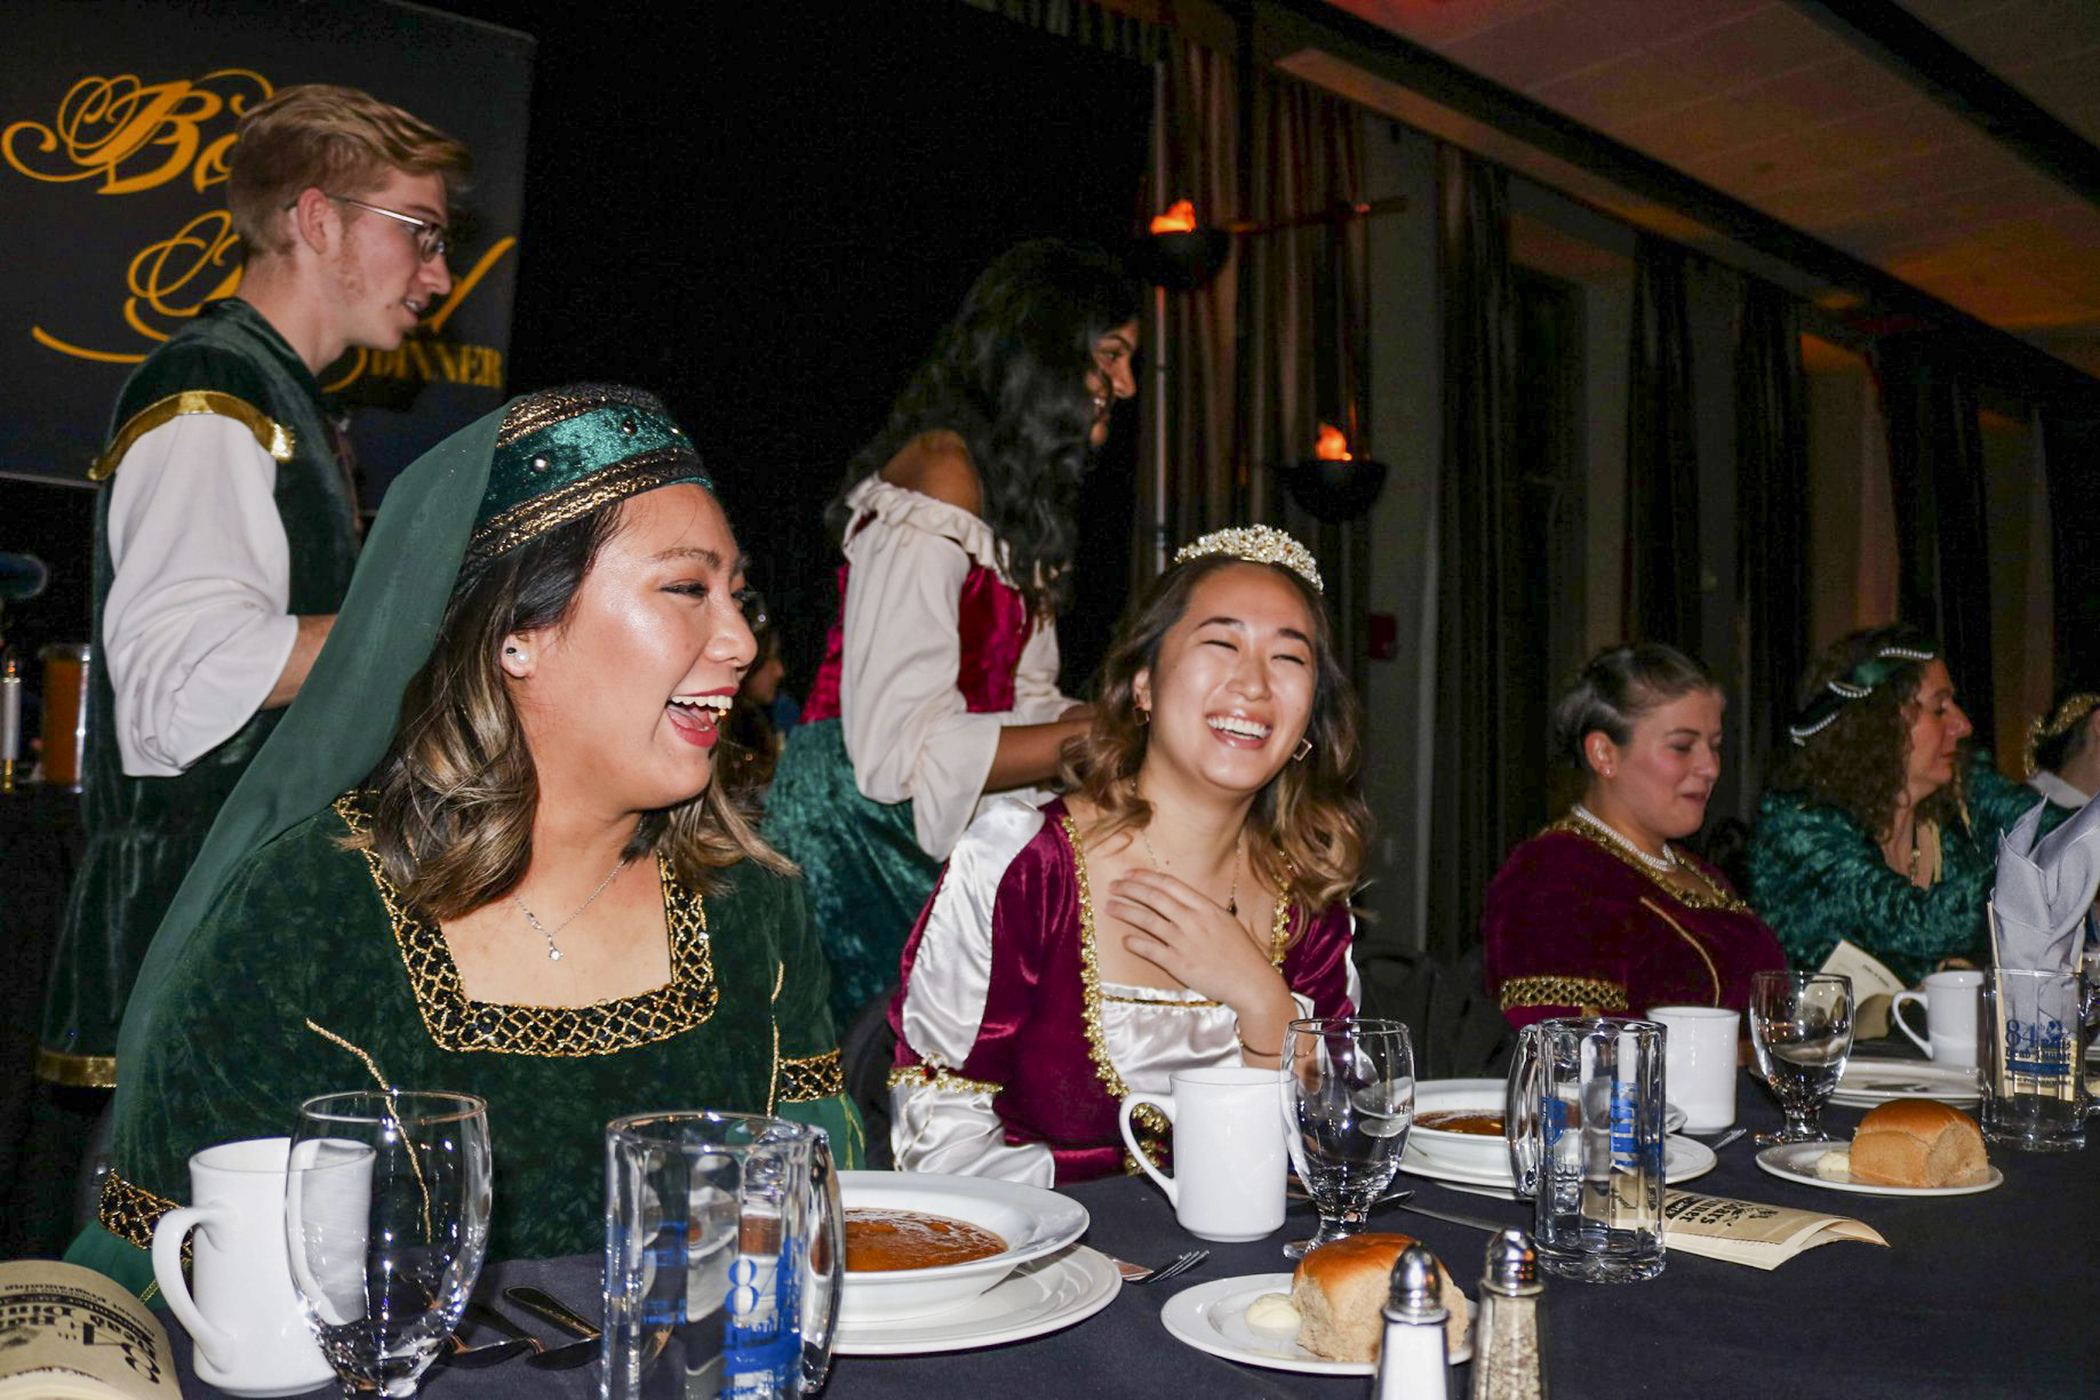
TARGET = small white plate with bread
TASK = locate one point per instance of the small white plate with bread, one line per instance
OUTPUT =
(1912, 1147)
(1333, 1302)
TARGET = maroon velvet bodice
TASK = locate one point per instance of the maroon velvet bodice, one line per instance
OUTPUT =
(993, 626)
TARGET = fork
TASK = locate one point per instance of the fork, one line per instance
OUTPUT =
(1174, 1268)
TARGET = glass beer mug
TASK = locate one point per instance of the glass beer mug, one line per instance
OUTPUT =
(724, 1257)
(1584, 1120)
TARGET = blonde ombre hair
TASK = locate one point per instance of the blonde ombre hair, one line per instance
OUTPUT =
(453, 800)
(1316, 826)
(336, 139)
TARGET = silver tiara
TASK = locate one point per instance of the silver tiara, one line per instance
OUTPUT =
(1257, 544)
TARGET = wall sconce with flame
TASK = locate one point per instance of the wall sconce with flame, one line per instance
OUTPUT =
(1334, 485)
(1178, 253)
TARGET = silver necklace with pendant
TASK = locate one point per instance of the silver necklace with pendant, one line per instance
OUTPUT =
(554, 953)
(1665, 864)
(1239, 852)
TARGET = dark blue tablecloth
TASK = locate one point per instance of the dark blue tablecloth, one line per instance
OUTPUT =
(1982, 1295)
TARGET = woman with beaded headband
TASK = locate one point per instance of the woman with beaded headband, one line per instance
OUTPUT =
(1602, 911)
(2063, 751)
(1882, 824)
(1186, 901)
(958, 524)
(486, 851)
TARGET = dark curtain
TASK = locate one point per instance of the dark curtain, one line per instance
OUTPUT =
(1662, 457)
(1771, 580)
(1476, 796)
(1943, 579)
(2071, 453)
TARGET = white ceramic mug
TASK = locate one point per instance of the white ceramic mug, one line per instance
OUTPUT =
(251, 1335)
(1950, 1000)
(1229, 1156)
(1699, 1063)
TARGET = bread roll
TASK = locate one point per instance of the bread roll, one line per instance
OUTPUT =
(1916, 1142)
(1340, 1291)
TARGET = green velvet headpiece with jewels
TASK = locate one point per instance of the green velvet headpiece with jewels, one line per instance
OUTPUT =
(562, 454)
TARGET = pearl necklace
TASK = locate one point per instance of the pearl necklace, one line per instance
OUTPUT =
(553, 953)
(1664, 864)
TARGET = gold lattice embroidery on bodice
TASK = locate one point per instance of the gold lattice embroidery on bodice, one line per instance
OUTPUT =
(1714, 896)
(455, 1022)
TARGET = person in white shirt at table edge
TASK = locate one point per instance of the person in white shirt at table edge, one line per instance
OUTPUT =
(226, 525)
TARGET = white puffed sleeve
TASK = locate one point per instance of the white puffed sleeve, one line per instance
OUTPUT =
(1037, 699)
(195, 628)
(940, 1120)
(908, 731)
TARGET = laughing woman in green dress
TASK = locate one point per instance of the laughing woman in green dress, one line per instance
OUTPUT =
(528, 887)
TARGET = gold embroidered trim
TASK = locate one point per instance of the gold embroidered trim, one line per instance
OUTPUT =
(270, 435)
(542, 513)
(817, 1077)
(130, 1212)
(1561, 991)
(1714, 897)
(550, 406)
(1712, 973)
(456, 1023)
(932, 1076)
(76, 1071)
(780, 977)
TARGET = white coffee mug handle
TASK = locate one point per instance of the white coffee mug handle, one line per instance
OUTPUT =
(1165, 1104)
(1896, 1015)
(168, 1235)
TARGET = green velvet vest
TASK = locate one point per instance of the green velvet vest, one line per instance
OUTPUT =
(144, 832)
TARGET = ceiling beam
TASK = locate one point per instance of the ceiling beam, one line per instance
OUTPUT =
(1913, 50)
(1287, 26)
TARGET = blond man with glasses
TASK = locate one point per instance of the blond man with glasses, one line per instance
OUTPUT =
(226, 524)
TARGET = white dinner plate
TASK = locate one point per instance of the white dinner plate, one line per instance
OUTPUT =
(1212, 1317)
(1683, 1159)
(1796, 1161)
(1866, 1083)
(1036, 1298)
(1492, 1089)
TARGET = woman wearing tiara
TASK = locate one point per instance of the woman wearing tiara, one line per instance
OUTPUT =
(2063, 751)
(958, 522)
(1882, 826)
(1601, 912)
(1178, 910)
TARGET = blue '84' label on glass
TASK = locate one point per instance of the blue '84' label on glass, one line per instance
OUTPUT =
(763, 1341)
(1628, 1153)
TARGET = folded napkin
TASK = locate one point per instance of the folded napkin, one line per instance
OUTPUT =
(2045, 890)
(1747, 1232)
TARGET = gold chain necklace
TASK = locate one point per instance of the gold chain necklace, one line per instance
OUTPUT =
(1239, 852)
(554, 953)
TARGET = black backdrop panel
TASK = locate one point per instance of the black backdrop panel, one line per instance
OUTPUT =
(114, 120)
(765, 212)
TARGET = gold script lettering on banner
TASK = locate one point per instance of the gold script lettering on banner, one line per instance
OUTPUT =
(139, 136)
(136, 136)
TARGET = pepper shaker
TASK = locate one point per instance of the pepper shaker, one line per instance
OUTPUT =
(1507, 1362)
(1411, 1361)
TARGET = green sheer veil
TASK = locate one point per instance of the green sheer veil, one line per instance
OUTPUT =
(537, 463)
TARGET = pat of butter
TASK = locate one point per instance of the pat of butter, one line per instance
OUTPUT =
(1835, 1166)
(1273, 1312)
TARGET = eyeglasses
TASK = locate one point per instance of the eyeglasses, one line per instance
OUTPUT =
(432, 239)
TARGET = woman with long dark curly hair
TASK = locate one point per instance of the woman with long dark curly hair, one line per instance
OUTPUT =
(958, 525)
(1178, 909)
(1882, 825)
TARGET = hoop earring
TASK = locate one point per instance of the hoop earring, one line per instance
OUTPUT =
(1304, 747)
(1144, 716)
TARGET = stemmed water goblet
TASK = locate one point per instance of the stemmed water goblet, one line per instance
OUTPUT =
(1801, 1030)
(1348, 1102)
(387, 1216)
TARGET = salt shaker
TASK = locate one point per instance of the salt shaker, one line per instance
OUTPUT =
(1411, 1362)
(1507, 1363)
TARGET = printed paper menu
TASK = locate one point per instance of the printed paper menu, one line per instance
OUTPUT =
(1746, 1232)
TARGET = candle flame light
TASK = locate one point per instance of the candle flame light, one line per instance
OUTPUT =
(1332, 446)
(1179, 218)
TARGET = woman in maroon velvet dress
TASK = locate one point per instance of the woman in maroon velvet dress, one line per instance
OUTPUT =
(1600, 912)
(1176, 911)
